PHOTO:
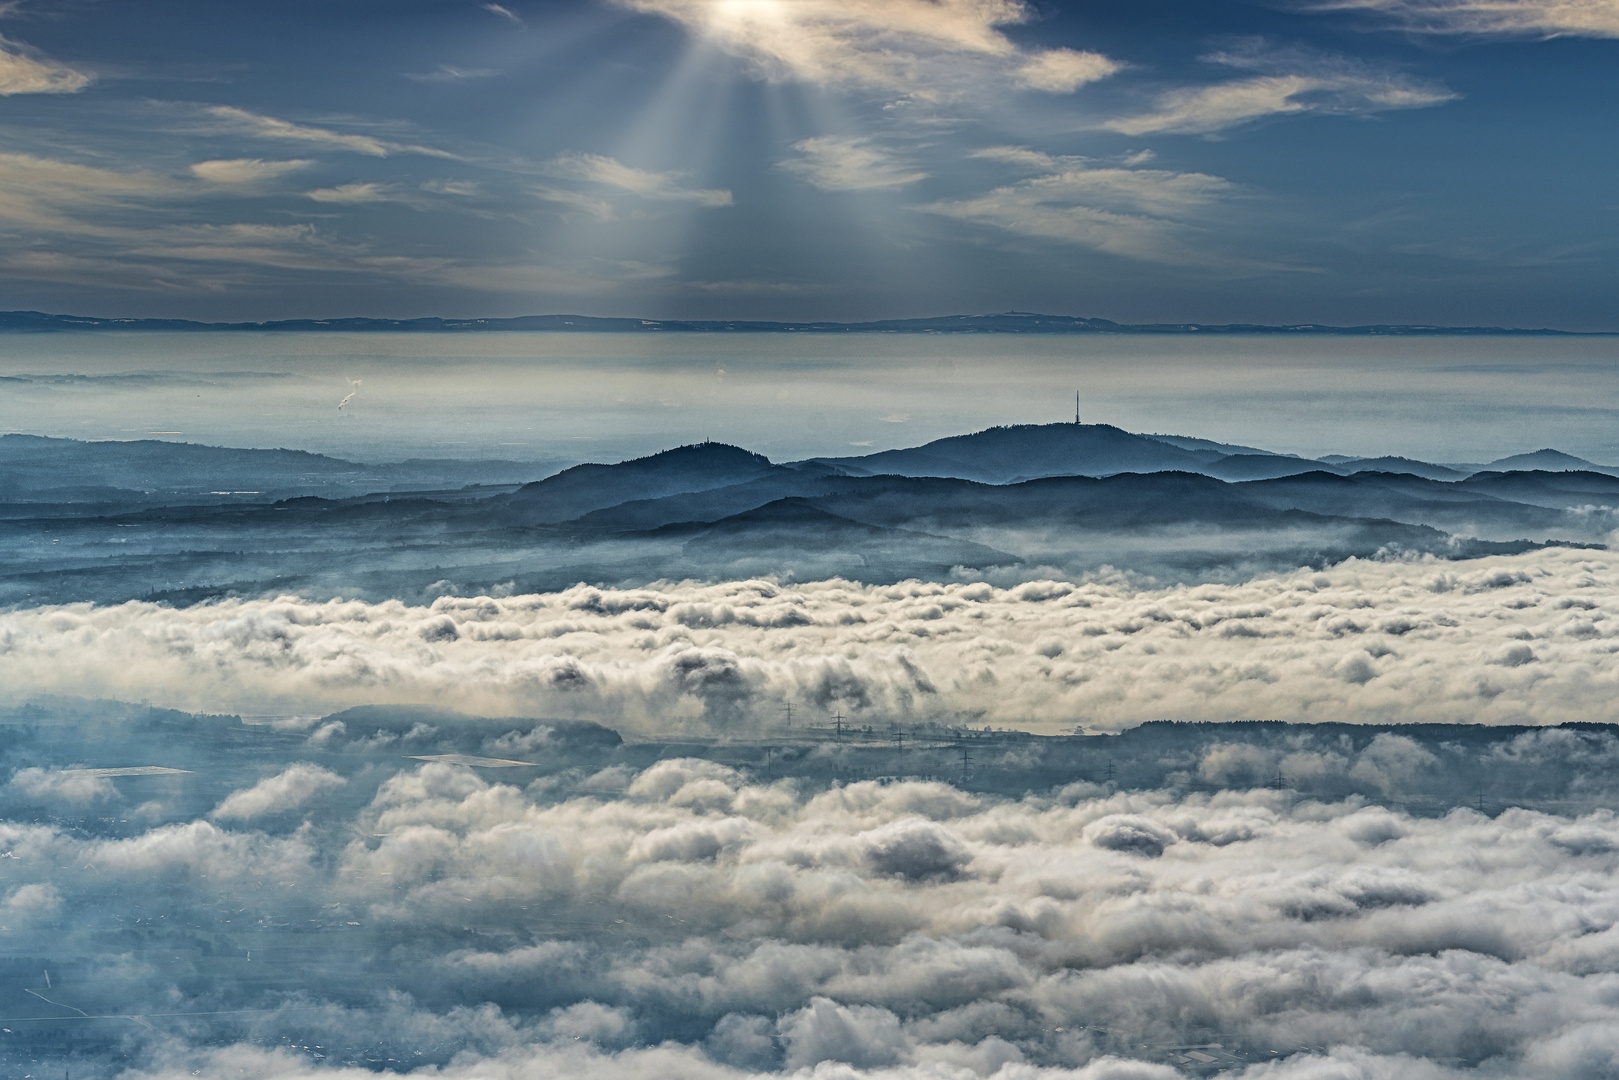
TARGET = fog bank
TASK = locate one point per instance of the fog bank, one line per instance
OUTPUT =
(1511, 639)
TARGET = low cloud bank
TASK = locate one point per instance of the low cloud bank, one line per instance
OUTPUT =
(1520, 639)
(702, 924)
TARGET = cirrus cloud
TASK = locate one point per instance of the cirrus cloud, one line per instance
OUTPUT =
(1510, 18)
(24, 71)
(1287, 82)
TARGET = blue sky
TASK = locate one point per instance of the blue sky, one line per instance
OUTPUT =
(1345, 161)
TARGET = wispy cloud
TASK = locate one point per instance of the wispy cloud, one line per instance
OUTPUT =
(1122, 211)
(368, 192)
(24, 71)
(459, 188)
(504, 12)
(445, 73)
(1288, 82)
(245, 172)
(838, 163)
(1062, 71)
(914, 47)
(60, 197)
(270, 127)
(600, 209)
(610, 172)
(1515, 18)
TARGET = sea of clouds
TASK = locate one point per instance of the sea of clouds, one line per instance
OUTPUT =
(1513, 639)
(684, 921)
(331, 910)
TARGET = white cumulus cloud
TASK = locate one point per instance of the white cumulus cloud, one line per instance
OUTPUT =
(287, 790)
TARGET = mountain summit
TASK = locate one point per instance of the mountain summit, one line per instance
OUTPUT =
(575, 492)
(1002, 455)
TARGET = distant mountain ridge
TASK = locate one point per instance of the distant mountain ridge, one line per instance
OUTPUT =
(111, 522)
(1002, 455)
(1009, 322)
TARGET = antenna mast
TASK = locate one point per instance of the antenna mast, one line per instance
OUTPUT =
(1076, 408)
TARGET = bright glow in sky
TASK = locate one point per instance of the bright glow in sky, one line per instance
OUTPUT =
(1345, 161)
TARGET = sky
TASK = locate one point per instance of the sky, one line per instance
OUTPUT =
(1337, 161)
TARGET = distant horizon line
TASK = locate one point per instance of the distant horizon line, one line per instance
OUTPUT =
(1009, 322)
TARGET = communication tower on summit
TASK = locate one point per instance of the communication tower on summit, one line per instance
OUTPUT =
(1076, 408)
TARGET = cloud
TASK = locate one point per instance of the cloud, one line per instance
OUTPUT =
(23, 71)
(837, 163)
(458, 188)
(612, 173)
(1291, 82)
(1366, 641)
(504, 12)
(245, 172)
(25, 177)
(286, 790)
(921, 48)
(1131, 212)
(446, 73)
(600, 209)
(113, 228)
(358, 192)
(1511, 18)
(31, 902)
(259, 126)
(895, 930)
(1062, 71)
(72, 786)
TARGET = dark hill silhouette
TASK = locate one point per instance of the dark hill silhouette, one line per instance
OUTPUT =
(36, 468)
(1238, 467)
(1546, 460)
(575, 492)
(797, 526)
(1209, 446)
(1406, 498)
(1426, 469)
(1002, 455)
(1559, 489)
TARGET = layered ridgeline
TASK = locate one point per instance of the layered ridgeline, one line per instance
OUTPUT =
(113, 521)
